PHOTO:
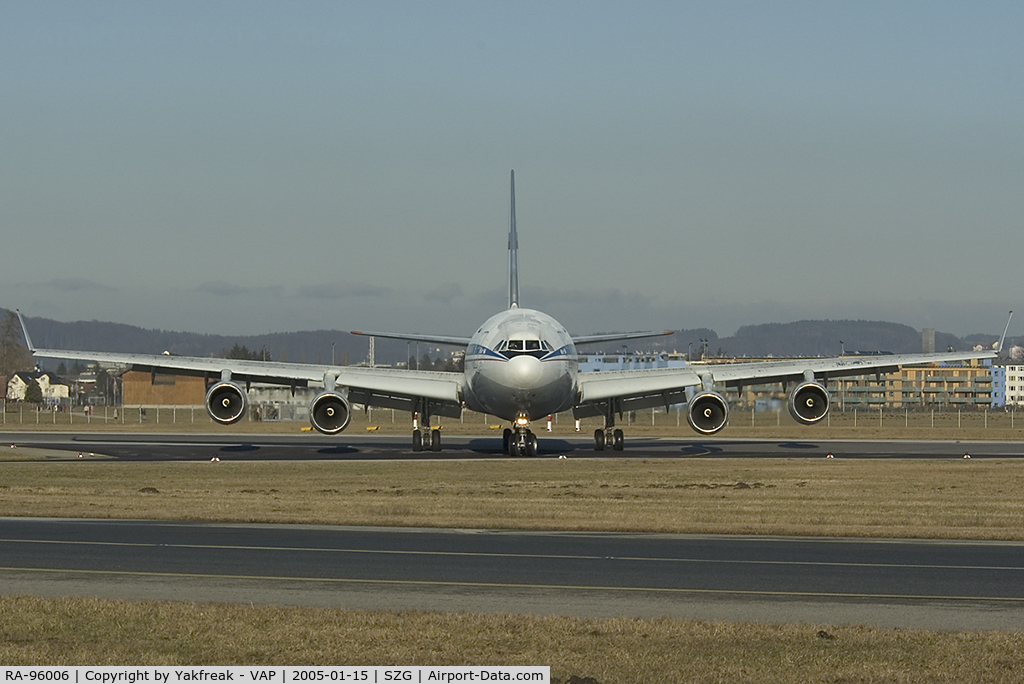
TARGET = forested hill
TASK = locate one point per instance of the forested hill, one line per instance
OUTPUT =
(309, 346)
(800, 338)
(811, 338)
(830, 338)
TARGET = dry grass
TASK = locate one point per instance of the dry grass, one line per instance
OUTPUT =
(976, 499)
(956, 499)
(620, 650)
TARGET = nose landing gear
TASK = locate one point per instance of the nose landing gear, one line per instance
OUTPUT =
(520, 441)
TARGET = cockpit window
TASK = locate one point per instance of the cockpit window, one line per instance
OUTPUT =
(510, 348)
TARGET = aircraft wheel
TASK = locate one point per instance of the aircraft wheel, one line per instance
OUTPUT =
(513, 448)
(531, 445)
(435, 440)
(417, 440)
(618, 441)
(598, 440)
(506, 437)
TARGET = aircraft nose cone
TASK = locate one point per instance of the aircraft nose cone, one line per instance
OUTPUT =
(524, 371)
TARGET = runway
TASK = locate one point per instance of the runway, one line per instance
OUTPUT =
(253, 447)
(890, 583)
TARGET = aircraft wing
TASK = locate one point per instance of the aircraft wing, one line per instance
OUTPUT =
(615, 337)
(363, 382)
(646, 388)
(434, 339)
(385, 387)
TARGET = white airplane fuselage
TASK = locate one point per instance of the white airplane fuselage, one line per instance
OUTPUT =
(520, 363)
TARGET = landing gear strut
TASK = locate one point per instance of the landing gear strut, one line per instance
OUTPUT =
(608, 435)
(426, 438)
(520, 441)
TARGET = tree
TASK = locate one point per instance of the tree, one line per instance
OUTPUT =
(14, 356)
(427, 363)
(105, 386)
(240, 351)
(33, 393)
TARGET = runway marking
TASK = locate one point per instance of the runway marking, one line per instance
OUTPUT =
(507, 585)
(477, 554)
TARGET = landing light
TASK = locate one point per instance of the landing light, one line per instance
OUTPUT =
(521, 419)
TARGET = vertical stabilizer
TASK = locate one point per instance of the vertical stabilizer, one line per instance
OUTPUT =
(513, 251)
(1001, 339)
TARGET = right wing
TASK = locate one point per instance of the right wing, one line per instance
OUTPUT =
(384, 387)
(435, 339)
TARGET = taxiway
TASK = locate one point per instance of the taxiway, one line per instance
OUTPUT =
(892, 583)
(175, 447)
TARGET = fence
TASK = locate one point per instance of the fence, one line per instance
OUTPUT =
(21, 413)
(850, 418)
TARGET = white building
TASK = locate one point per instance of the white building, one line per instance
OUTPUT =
(1014, 385)
(53, 389)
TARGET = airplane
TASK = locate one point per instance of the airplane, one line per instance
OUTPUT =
(521, 365)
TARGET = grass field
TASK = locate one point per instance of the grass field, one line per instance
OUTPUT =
(961, 499)
(621, 651)
(975, 499)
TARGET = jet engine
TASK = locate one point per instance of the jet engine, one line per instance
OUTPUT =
(707, 412)
(329, 412)
(226, 402)
(809, 402)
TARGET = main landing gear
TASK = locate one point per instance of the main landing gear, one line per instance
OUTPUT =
(609, 436)
(520, 441)
(427, 439)
(612, 438)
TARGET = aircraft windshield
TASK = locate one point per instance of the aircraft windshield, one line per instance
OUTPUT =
(512, 348)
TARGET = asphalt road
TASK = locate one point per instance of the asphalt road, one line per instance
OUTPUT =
(932, 584)
(176, 447)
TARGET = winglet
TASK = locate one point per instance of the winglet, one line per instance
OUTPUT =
(24, 330)
(513, 251)
(1003, 338)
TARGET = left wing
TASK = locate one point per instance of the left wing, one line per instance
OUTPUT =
(636, 389)
(615, 337)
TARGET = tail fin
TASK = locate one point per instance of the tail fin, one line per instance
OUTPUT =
(1003, 338)
(24, 330)
(513, 252)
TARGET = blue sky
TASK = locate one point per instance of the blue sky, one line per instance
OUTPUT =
(246, 167)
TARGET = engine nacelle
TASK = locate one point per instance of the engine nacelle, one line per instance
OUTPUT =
(809, 402)
(226, 402)
(707, 412)
(329, 412)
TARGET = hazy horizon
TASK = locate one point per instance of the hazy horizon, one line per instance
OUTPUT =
(241, 168)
